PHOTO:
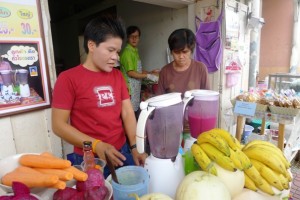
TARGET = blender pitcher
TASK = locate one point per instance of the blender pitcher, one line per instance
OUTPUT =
(202, 107)
(7, 79)
(161, 117)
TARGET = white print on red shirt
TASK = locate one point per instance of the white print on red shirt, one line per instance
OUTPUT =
(105, 96)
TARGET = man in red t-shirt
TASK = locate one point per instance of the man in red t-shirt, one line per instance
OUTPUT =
(91, 101)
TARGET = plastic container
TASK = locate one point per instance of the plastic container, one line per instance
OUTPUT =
(132, 179)
(256, 124)
(246, 133)
(7, 77)
(202, 110)
(232, 79)
(98, 161)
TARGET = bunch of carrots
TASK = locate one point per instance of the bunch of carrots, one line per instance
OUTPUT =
(43, 170)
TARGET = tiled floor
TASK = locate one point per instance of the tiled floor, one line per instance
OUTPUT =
(295, 189)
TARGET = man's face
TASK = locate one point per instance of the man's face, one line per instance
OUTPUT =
(106, 54)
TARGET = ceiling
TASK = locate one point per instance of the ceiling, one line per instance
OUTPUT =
(61, 9)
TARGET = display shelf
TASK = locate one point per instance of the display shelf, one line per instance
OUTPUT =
(282, 120)
(280, 81)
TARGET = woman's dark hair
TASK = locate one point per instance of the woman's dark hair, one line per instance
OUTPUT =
(132, 29)
(101, 28)
(181, 38)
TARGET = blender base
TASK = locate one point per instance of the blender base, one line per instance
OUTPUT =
(165, 175)
(24, 90)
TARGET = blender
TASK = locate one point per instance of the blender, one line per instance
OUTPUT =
(7, 87)
(202, 108)
(22, 79)
(161, 120)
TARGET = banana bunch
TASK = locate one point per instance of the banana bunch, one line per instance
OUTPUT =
(218, 145)
(269, 167)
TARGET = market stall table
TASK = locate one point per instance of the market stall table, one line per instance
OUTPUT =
(282, 120)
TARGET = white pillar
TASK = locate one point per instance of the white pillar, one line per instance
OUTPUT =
(294, 61)
(255, 32)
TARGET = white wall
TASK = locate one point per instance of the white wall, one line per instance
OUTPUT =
(156, 24)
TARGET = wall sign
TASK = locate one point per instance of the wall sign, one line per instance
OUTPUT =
(24, 79)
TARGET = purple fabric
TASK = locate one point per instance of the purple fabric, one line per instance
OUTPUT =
(209, 43)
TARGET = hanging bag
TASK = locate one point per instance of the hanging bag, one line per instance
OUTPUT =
(209, 43)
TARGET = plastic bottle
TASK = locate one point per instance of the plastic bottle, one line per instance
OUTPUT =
(88, 156)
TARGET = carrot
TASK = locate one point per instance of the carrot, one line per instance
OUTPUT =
(59, 185)
(62, 174)
(25, 169)
(78, 175)
(29, 179)
(36, 172)
(31, 160)
(48, 154)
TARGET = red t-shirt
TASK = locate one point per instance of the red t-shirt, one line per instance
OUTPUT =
(95, 101)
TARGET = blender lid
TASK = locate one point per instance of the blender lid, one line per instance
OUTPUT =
(203, 94)
(6, 71)
(165, 100)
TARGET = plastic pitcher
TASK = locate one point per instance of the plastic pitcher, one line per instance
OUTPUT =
(6, 76)
(161, 118)
(202, 107)
(133, 180)
(22, 76)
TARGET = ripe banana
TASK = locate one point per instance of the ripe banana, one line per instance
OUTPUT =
(219, 157)
(259, 142)
(227, 137)
(271, 147)
(214, 139)
(245, 161)
(254, 175)
(202, 159)
(266, 157)
(288, 176)
(266, 187)
(249, 183)
(268, 174)
(284, 181)
(235, 159)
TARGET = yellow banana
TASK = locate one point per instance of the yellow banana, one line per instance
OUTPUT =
(245, 161)
(259, 142)
(268, 174)
(215, 140)
(288, 176)
(235, 159)
(249, 183)
(265, 157)
(265, 144)
(254, 175)
(202, 159)
(284, 181)
(227, 137)
(219, 157)
(240, 146)
(266, 187)
(276, 152)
